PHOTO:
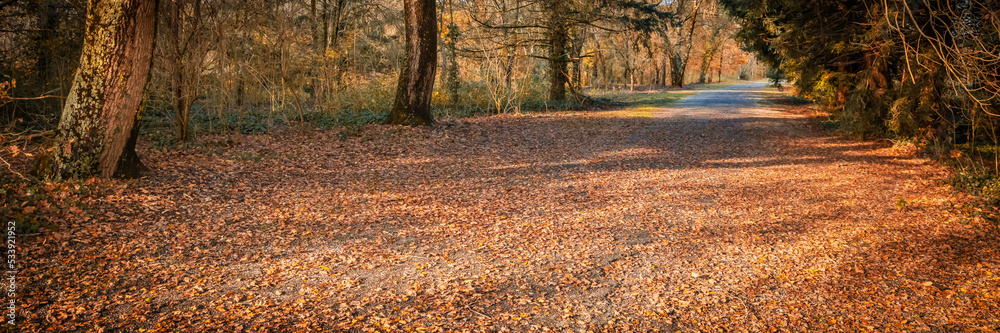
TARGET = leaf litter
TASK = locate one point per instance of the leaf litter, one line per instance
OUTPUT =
(749, 219)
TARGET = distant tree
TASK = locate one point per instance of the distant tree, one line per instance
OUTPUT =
(559, 27)
(682, 25)
(450, 73)
(101, 111)
(40, 42)
(718, 28)
(412, 105)
(564, 24)
(182, 52)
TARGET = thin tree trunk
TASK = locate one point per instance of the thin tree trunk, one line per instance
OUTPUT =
(576, 78)
(42, 39)
(595, 71)
(100, 113)
(412, 105)
(704, 74)
(177, 78)
(186, 55)
(722, 56)
(452, 65)
(318, 47)
(679, 61)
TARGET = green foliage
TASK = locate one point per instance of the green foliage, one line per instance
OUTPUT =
(976, 183)
(975, 165)
(983, 185)
(915, 71)
(901, 204)
(660, 99)
(31, 203)
(255, 122)
(861, 61)
(776, 75)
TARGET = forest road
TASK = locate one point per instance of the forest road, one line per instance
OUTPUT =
(723, 212)
(728, 101)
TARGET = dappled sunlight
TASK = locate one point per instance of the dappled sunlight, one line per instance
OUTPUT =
(589, 216)
(500, 166)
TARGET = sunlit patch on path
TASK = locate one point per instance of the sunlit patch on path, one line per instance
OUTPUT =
(716, 214)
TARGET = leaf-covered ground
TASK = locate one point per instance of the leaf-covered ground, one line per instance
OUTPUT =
(716, 214)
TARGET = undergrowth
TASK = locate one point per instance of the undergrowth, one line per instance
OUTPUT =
(977, 174)
(159, 126)
(977, 170)
(33, 204)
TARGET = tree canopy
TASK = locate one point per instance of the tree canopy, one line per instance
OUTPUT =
(921, 69)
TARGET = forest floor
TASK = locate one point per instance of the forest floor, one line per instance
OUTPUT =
(722, 212)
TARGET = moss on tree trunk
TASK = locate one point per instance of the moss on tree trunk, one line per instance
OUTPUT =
(100, 113)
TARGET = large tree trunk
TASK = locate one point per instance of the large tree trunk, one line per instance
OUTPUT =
(558, 55)
(100, 112)
(677, 66)
(129, 165)
(412, 105)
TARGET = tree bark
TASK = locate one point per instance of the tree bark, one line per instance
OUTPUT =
(129, 165)
(595, 70)
(320, 24)
(704, 75)
(558, 55)
(677, 67)
(100, 113)
(680, 51)
(576, 52)
(718, 78)
(453, 83)
(412, 105)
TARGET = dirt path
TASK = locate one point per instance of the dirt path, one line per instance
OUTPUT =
(714, 215)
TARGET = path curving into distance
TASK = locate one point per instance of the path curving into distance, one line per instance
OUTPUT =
(724, 212)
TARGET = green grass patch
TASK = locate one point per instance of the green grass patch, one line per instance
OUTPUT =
(716, 85)
(643, 103)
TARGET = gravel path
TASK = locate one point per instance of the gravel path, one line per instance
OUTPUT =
(717, 214)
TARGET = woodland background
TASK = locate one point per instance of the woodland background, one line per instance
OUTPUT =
(914, 72)
(572, 196)
(237, 66)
